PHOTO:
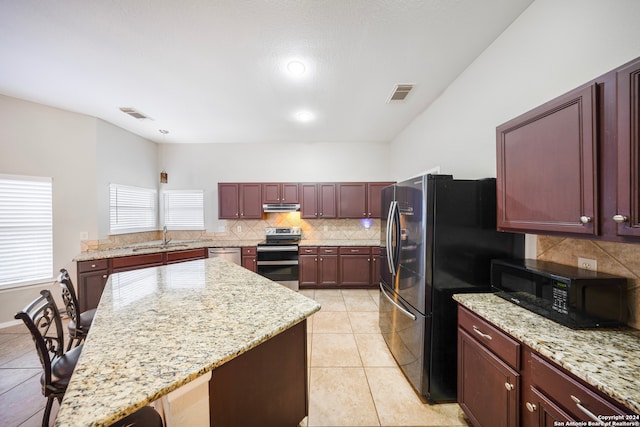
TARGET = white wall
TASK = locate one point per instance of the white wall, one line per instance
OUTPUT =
(43, 141)
(554, 46)
(123, 158)
(202, 166)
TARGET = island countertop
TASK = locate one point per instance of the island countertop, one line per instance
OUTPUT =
(605, 358)
(156, 329)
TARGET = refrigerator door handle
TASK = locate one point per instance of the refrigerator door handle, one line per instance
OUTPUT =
(392, 249)
(398, 306)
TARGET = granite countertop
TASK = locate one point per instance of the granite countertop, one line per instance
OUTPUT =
(605, 358)
(156, 329)
(178, 245)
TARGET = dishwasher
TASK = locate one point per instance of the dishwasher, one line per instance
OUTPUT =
(230, 254)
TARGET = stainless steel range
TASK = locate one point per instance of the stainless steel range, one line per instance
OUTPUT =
(278, 255)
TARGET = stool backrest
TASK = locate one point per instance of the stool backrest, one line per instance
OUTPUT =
(69, 297)
(43, 321)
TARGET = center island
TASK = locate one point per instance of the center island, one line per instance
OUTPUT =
(157, 329)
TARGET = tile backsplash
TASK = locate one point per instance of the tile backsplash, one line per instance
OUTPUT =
(620, 259)
(313, 229)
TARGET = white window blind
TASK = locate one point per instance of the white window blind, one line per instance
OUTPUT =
(26, 229)
(184, 209)
(132, 209)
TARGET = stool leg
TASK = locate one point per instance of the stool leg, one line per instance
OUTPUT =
(47, 412)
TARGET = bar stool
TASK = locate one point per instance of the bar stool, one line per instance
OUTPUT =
(80, 323)
(42, 318)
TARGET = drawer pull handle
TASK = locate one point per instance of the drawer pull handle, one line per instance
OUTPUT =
(508, 386)
(483, 335)
(531, 407)
(587, 412)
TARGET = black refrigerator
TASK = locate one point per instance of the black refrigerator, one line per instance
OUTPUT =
(438, 236)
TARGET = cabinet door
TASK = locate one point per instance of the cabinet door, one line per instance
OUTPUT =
(327, 200)
(375, 269)
(628, 197)
(228, 201)
(548, 413)
(90, 287)
(309, 201)
(250, 201)
(352, 200)
(488, 389)
(307, 270)
(374, 198)
(290, 192)
(328, 270)
(547, 167)
(355, 271)
(249, 262)
(271, 192)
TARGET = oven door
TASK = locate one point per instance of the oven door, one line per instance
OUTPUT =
(279, 263)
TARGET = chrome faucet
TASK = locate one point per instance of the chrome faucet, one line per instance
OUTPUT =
(164, 236)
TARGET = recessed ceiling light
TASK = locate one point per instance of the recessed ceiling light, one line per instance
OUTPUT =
(304, 116)
(296, 68)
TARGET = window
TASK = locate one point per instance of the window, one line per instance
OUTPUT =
(26, 229)
(184, 209)
(132, 209)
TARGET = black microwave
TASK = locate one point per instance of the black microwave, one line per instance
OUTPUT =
(568, 295)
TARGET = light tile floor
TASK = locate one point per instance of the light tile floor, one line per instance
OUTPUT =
(353, 379)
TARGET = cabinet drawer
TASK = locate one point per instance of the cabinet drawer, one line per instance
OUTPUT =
(328, 250)
(93, 265)
(355, 250)
(249, 250)
(375, 250)
(567, 392)
(491, 337)
(185, 255)
(308, 250)
(136, 260)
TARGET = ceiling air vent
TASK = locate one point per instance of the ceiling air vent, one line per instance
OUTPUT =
(400, 92)
(134, 113)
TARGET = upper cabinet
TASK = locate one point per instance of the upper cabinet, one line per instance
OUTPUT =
(627, 214)
(239, 201)
(572, 166)
(280, 192)
(546, 177)
(360, 199)
(318, 200)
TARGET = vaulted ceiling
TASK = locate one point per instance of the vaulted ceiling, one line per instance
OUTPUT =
(216, 71)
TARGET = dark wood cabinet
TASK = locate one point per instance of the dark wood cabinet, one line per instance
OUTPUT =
(240, 201)
(502, 382)
(249, 254)
(92, 278)
(185, 255)
(318, 200)
(135, 262)
(375, 266)
(280, 192)
(355, 266)
(627, 212)
(488, 372)
(547, 167)
(352, 200)
(328, 275)
(307, 267)
(374, 198)
(572, 166)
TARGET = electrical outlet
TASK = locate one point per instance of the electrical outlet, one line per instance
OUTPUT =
(588, 264)
(239, 229)
(326, 228)
(84, 235)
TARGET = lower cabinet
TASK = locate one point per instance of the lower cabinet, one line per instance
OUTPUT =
(249, 258)
(337, 267)
(92, 278)
(93, 275)
(488, 385)
(502, 382)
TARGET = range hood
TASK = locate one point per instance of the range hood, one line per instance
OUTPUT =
(281, 207)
